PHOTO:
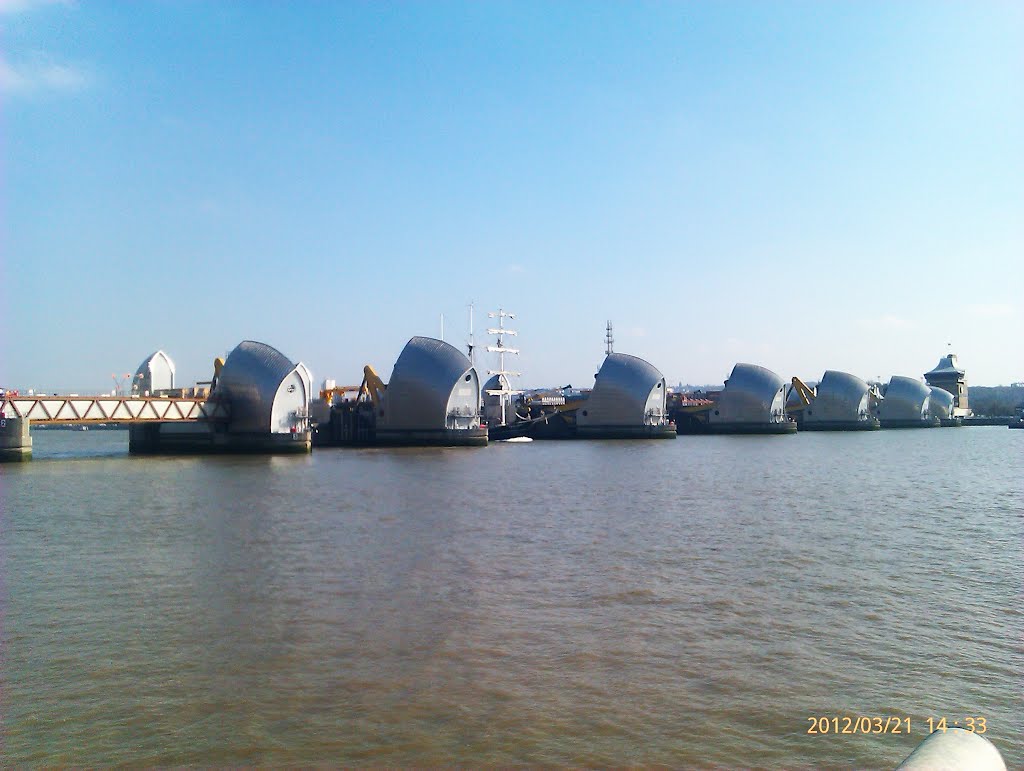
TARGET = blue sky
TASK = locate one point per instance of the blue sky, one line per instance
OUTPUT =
(805, 186)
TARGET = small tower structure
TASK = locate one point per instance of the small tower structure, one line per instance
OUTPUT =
(949, 377)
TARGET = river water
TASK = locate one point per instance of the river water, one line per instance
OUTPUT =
(687, 603)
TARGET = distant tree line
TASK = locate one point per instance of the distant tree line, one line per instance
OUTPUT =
(995, 400)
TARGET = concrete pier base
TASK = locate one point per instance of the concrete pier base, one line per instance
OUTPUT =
(355, 425)
(441, 437)
(871, 424)
(784, 427)
(206, 438)
(923, 423)
(665, 431)
(701, 427)
(15, 440)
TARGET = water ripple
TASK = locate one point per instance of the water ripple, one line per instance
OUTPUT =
(588, 604)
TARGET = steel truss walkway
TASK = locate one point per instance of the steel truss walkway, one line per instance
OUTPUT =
(41, 410)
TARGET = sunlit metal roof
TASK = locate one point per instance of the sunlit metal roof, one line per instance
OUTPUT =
(156, 373)
(494, 383)
(628, 391)
(840, 396)
(268, 393)
(940, 403)
(905, 399)
(433, 386)
(752, 394)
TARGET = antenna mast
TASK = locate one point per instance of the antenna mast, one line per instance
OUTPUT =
(471, 345)
(608, 339)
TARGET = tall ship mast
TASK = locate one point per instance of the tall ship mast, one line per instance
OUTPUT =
(471, 343)
(504, 390)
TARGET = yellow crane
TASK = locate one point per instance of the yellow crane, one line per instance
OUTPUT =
(372, 386)
(804, 392)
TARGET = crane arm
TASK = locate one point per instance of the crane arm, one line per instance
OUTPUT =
(804, 392)
(372, 385)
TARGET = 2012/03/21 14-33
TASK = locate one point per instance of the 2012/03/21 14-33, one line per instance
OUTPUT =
(888, 724)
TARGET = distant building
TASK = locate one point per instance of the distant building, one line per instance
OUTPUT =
(155, 374)
(949, 377)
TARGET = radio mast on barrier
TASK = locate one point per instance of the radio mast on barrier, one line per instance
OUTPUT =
(471, 345)
(608, 339)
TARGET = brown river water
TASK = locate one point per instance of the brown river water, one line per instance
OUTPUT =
(690, 603)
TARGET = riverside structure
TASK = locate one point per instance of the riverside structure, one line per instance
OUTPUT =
(752, 402)
(433, 398)
(906, 404)
(260, 401)
(628, 401)
(840, 402)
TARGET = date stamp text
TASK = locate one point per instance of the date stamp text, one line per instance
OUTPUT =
(831, 725)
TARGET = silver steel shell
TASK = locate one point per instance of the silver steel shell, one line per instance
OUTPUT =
(267, 392)
(156, 373)
(940, 403)
(497, 407)
(628, 391)
(840, 396)
(494, 383)
(307, 377)
(433, 386)
(905, 399)
(752, 395)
